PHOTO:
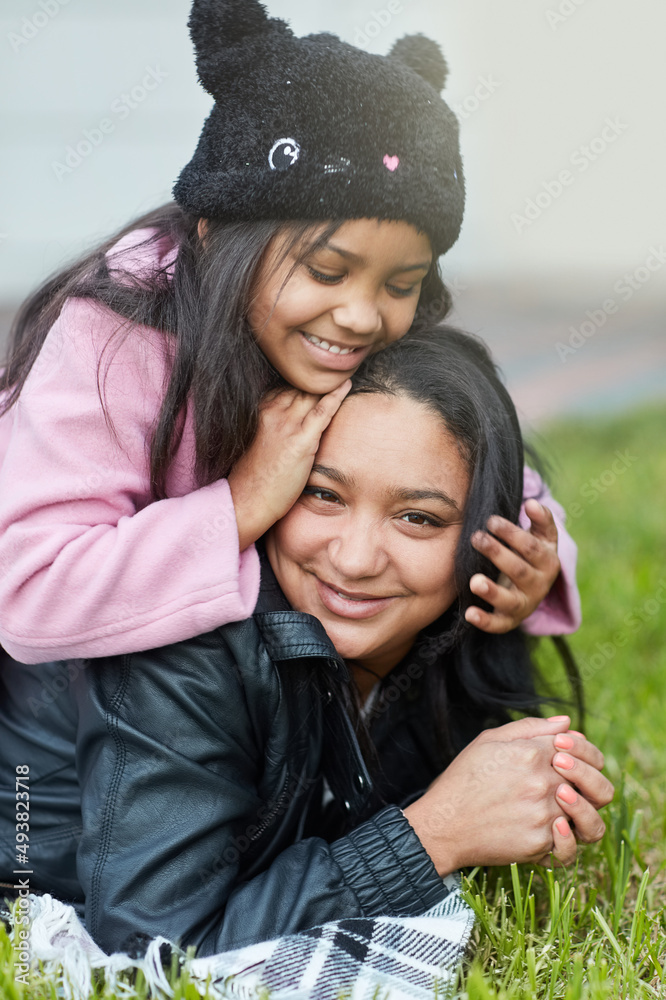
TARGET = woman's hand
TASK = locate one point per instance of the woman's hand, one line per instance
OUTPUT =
(528, 565)
(501, 799)
(269, 478)
(580, 763)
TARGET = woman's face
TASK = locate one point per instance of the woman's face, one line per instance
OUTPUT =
(349, 299)
(369, 547)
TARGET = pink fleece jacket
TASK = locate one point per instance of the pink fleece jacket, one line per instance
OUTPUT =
(89, 566)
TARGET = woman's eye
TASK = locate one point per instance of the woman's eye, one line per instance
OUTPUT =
(415, 517)
(326, 279)
(320, 494)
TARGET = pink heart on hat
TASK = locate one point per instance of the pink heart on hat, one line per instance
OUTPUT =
(391, 162)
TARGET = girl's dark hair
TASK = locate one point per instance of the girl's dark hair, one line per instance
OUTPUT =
(218, 367)
(474, 678)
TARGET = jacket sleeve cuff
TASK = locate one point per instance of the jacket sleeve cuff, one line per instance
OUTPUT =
(387, 867)
(559, 613)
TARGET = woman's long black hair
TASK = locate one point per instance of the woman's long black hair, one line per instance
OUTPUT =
(474, 678)
(218, 367)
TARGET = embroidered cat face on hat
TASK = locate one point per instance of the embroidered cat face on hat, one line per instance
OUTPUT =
(314, 128)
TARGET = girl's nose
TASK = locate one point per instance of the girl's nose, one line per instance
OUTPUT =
(359, 314)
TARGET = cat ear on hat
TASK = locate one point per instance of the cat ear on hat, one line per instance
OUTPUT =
(314, 128)
(424, 56)
(218, 25)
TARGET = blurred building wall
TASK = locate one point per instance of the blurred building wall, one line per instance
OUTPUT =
(561, 105)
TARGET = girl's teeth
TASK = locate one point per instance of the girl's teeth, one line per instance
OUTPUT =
(325, 346)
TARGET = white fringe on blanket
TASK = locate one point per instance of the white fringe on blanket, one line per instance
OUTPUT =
(380, 958)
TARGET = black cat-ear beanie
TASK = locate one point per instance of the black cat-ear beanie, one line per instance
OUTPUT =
(313, 128)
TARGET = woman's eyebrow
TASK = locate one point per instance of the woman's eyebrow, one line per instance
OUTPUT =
(334, 474)
(396, 493)
(410, 495)
(348, 255)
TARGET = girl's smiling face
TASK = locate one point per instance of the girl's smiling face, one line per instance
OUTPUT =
(317, 318)
(369, 547)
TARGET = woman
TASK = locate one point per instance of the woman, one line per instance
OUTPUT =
(226, 799)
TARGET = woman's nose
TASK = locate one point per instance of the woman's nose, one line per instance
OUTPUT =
(359, 313)
(357, 551)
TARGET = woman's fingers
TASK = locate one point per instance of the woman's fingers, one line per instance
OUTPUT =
(591, 783)
(564, 844)
(588, 823)
(576, 744)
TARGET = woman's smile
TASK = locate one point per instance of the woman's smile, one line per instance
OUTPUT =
(351, 605)
(369, 548)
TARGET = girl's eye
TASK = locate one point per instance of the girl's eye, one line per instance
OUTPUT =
(335, 279)
(326, 279)
(327, 496)
(403, 292)
(417, 518)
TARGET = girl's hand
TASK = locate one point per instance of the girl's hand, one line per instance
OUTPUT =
(528, 564)
(269, 478)
(497, 802)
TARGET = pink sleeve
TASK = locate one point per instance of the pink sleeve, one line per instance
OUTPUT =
(559, 613)
(88, 565)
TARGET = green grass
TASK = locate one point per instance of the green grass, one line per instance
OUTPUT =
(598, 931)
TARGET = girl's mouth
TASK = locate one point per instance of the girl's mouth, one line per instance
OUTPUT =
(333, 355)
(346, 605)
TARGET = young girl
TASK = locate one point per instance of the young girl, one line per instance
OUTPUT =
(198, 808)
(165, 396)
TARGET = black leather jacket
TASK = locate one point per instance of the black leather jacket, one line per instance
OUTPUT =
(197, 813)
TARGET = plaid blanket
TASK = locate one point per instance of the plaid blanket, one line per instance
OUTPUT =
(382, 958)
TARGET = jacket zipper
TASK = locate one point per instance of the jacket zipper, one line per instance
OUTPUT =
(265, 823)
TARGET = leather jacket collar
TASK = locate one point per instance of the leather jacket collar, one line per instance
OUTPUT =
(294, 635)
(279, 625)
